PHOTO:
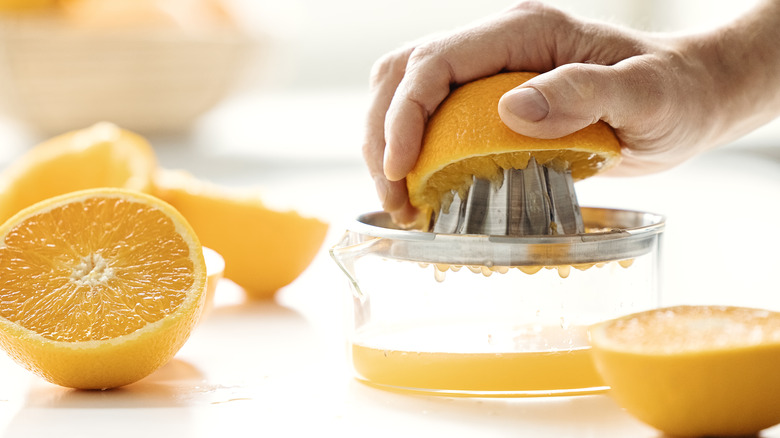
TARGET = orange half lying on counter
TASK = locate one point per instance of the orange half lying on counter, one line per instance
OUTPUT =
(102, 155)
(694, 370)
(466, 138)
(99, 287)
(264, 249)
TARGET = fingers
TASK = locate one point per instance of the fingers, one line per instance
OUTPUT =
(527, 37)
(431, 71)
(385, 77)
(404, 128)
(510, 40)
(407, 86)
(594, 72)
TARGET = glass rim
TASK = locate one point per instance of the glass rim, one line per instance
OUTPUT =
(619, 235)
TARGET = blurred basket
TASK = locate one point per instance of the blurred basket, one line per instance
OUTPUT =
(57, 78)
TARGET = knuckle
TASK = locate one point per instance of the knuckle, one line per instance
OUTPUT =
(433, 55)
(544, 20)
(530, 5)
(538, 8)
(425, 52)
(579, 81)
(392, 64)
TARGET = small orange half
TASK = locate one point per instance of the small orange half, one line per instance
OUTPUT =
(694, 370)
(102, 155)
(264, 249)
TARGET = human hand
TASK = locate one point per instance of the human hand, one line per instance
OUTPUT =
(667, 97)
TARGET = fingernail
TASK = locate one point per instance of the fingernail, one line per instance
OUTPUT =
(381, 189)
(527, 104)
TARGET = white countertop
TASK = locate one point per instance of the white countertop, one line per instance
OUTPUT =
(279, 368)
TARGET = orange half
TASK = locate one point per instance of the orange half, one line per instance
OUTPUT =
(99, 287)
(694, 370)
(465, 138)
(102, 155)
(264, 249)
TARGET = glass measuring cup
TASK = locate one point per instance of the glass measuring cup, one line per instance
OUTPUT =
(477, 315)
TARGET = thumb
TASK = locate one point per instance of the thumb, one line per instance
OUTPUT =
(562, 101)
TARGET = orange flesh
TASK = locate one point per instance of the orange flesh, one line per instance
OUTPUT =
(84, 264)
(99, 156)
(693, 330)
(457, 177)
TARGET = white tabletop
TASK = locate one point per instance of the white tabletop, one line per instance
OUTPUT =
(280, 367)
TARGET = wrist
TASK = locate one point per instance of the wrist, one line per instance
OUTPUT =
(742, 60)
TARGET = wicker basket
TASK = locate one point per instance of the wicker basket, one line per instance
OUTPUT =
(58, 78)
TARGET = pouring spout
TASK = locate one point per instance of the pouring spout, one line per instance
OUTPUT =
(347, 251)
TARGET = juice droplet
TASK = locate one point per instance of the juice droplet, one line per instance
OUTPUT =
(530, 270)
(475, 269)
(564, 271)
(501, 269)
(454, 268)
(486, 271)
(439, 275)
(584, 266)
(626, 263)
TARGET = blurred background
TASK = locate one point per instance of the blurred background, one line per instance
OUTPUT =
(333, 43)
(254, 71)
(273, 93)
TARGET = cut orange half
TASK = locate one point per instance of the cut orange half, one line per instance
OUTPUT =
(694, 370)
(264, 249)
(466, 138)
(99, 287)
(102, 155)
